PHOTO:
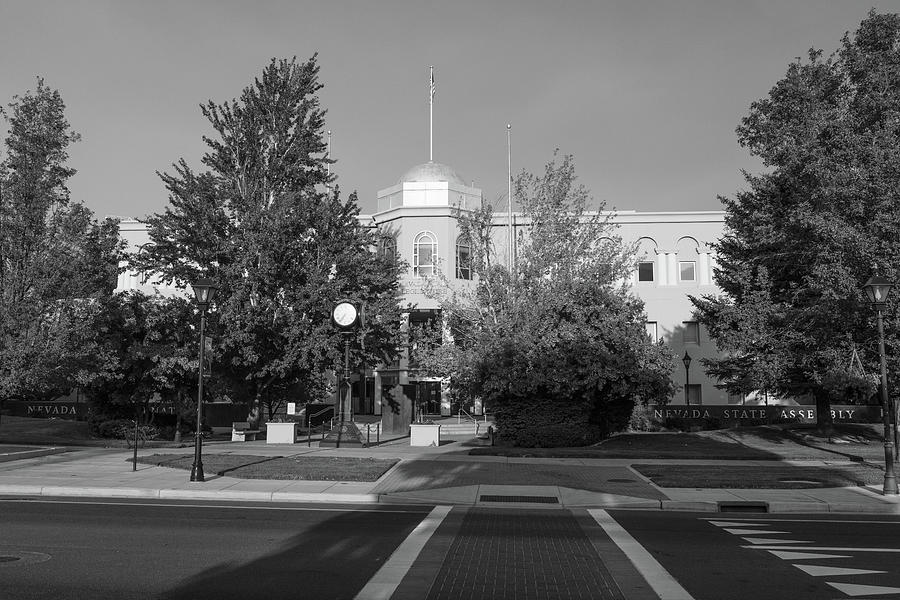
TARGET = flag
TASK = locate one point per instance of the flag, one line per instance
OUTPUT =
(431, 87)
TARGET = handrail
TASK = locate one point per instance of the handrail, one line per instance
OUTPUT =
(321, 412)
(462, 411)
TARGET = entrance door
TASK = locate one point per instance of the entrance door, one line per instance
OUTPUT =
(429, 397)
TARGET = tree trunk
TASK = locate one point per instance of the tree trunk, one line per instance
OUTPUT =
(824, 420)
(255, 416)
(177, 438)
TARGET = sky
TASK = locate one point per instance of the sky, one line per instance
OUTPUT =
(645, 95)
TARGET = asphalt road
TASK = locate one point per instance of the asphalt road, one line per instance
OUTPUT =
(795, 557)
(76, 549)
(126, 550)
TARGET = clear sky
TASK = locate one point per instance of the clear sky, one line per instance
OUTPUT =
(646, 95)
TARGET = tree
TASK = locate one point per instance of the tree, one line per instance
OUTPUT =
(55, 259)
(558, 349)
(152, 351)
(267, 223)
(823, 217)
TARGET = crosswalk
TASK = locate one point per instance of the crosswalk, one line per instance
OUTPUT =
(805, 555)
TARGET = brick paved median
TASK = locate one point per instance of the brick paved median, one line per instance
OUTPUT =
(423, 475)
(511, 555)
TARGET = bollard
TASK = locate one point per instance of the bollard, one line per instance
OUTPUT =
(368, 430)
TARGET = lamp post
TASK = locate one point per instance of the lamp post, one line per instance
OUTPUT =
(346, 316)
(877, 289)
(687, 376)
(204, 291)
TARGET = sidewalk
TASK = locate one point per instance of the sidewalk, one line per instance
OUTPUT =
(434, 475)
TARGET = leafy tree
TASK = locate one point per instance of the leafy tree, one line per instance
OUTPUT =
(813, 227)
(153, 352)
(267, 223)
(557, 349)
(54, 257)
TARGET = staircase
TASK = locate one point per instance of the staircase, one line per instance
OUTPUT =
(454, 427)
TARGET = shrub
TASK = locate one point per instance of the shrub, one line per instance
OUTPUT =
(544, 424)
(113, 428)
(641, 420)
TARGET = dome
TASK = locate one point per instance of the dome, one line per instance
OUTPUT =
(432, 171)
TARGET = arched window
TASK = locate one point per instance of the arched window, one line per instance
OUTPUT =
(463, 258)
(389, 248)
(646, 254)
(688, 250)
(424, 254)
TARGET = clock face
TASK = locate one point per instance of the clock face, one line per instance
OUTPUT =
(344, 314)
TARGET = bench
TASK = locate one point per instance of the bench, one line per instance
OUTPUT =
(241, 432)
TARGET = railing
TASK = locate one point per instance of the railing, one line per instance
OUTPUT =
(469, 417)
(369, 426)
(311, 430)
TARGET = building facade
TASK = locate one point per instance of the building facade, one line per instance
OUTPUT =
(416, 218)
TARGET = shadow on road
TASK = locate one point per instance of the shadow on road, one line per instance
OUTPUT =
(330, 559)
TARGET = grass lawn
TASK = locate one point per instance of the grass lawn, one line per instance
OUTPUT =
(850, 442)
(4, 449)
(779, 477)
(25, 430)
(305, 468)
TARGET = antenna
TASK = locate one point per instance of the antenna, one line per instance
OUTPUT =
(328, 166)
(431, 115)
(510, 261)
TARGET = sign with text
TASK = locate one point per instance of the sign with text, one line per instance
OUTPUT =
(46, 410)
(755, 415)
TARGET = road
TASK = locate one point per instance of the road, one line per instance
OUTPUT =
(800, 557)
(179, 550)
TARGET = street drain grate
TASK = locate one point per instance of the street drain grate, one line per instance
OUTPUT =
(9, 558)
(818, 482)
(535, 499)
(754, 507)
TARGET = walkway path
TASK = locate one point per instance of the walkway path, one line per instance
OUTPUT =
(444, 475)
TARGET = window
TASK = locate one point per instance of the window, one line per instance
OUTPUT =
(687, 270)
(691, 332)
(424, 254)
(652, 331)
(645, 271)
(463, 258)
(694, 394)
(389, 248)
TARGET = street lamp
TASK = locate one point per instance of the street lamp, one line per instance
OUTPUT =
(204, 291)
(687, 376)
(877, 289)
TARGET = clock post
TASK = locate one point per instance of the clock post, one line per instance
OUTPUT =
(345, 316)
(346, 410)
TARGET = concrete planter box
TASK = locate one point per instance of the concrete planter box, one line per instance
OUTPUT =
(281, 433)
(424, 435)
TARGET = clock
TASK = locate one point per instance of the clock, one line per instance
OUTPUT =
(344, 314)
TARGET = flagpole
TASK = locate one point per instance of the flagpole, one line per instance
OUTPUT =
(328, 166)
(509, 202)
(431, 115)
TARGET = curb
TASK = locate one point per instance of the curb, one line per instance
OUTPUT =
(37, 452)
(756, 508)
(174, 494)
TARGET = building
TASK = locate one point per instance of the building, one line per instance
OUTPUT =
(416, 214)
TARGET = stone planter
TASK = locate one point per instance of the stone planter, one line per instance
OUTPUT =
(421, 434)
(281, 433)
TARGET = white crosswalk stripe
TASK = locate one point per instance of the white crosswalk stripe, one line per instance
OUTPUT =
(771, 541)
(805, 555)
(820, 571)
(853, 589)
(781, 548)
(753, 531)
